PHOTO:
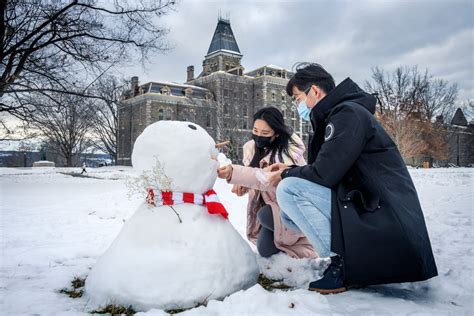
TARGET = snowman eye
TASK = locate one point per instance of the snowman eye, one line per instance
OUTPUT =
(192, 127)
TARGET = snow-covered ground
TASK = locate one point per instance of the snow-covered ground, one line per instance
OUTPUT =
(53, 227)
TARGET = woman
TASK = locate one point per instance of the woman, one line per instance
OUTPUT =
(271, 143)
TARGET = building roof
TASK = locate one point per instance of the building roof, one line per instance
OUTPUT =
(223, 39)
(459, 119)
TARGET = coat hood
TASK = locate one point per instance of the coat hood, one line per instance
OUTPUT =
(346, 91)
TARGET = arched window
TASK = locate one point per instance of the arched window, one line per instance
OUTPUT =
(161, 115)
(168, 115)
(245, 110)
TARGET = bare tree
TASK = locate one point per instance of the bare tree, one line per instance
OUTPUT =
(47, 45)
(104, 131)
(409, 100)
(64, 125)
(406, 91)
(438, 99)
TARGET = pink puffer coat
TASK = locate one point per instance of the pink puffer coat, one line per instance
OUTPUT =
(294, 244)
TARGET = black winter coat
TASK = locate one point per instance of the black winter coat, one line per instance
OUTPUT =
(377, 224)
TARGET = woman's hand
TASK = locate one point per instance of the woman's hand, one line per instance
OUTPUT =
(225, 172)
(278, 166)
(275, 170)
(239, 190)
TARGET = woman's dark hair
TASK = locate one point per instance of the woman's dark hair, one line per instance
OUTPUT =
(274, 118)
(308, 74)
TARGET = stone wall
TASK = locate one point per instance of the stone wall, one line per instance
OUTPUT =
(461, 145)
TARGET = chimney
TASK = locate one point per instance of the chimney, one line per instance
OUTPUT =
(134, 85)
(190, 73)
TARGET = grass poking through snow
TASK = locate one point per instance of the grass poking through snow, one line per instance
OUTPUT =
(77, 288)
(115, 310)
(270, 284)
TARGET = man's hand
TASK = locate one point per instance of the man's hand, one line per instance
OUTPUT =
(239, 190)
(274, 176)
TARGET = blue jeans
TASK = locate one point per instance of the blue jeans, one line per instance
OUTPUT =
(305, 207)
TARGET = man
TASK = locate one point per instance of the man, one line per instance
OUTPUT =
(354, 200)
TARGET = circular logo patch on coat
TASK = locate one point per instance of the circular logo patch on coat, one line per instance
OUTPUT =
(329, 132)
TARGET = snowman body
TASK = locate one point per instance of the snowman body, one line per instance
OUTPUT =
(157, 261)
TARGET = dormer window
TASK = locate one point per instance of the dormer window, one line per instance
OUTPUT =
(188, 92)
(165, 90)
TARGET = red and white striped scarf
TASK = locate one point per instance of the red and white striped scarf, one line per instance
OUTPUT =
(209, 199)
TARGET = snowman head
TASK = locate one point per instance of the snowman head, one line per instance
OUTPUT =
(185, 151)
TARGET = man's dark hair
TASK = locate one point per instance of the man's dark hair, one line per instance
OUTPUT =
(308, 74)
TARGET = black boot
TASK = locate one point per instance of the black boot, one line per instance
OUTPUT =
(332, 280)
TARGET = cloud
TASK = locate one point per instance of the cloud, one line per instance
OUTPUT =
(347, 37)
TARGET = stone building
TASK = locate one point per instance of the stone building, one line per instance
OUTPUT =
(221, 99)
(460, 139)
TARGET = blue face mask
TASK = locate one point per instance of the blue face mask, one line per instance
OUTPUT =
(304, 111)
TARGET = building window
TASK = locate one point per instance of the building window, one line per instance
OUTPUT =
(161, 115)
(168, 114)
(165, 90)
(244, 123)
(208, 119)
(226, 108)
(273, 96)
(245, 96)
(226, 92)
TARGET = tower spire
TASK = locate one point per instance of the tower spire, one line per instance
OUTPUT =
(223, 39)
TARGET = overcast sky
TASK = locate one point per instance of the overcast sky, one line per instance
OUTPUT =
(347, 37)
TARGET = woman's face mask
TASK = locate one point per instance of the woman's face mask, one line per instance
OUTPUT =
(262, 134)
(262, 141)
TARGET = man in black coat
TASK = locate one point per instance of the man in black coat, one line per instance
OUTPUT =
(354, 200)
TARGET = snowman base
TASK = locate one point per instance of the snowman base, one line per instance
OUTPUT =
(157, 262)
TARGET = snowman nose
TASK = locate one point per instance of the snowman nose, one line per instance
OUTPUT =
(222, 144)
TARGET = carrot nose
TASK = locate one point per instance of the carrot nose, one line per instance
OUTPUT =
(222, 144)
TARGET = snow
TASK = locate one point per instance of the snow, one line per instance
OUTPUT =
(54, 227)
(167, 260)
(223, 160)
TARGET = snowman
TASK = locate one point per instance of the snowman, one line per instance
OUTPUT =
(178, 249)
